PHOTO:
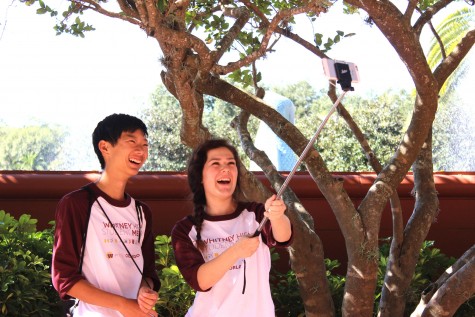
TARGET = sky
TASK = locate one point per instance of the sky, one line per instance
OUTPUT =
(62, 77)
(76, 82)
(117, 66)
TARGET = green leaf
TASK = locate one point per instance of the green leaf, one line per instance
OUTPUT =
(162, 5)
(318, 39)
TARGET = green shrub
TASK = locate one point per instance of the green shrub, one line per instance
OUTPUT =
(176, 296)
(26, 290)
(430, 265)
(25, 261)
(286, 295)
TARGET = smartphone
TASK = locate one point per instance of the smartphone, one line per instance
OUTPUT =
(338, 70)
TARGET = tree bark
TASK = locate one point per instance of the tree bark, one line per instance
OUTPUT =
(453, 289)
(404, 256)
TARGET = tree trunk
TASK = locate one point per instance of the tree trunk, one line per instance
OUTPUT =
(313, 285)
(404, 256)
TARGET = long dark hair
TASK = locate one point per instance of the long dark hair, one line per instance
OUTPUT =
(195, 180)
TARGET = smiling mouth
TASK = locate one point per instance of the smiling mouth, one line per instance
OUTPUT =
(224, 181)
(135, 161)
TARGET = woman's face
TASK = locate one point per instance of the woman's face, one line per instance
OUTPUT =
(220, 174)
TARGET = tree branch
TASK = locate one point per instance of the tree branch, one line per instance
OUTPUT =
(455, 290)
(242, 15)
(428, 293)
(286, 32)
(192, 131)
(438, 39)
(411, 6)
(389, 19)
(396, 209)
(404, 254)
(92, 5)
(284, 14)
(449, 64)
(429, 14)
(128, 9)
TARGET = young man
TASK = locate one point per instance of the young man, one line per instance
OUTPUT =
(103, 252)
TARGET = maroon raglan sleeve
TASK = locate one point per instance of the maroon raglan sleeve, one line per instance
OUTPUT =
(188, 257)
(70, 220)
(148, 249)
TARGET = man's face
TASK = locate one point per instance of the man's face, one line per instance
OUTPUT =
(128, 154)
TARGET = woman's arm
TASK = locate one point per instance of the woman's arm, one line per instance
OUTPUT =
(275, 212)
(211, 272)
(198, 273)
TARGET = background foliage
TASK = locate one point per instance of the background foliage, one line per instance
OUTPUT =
(163, 119)
(382, 118)
(33, 148)
(175, 294)
(26, 290)
(25, 261)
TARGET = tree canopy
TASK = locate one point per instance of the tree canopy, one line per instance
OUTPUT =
(30, 148)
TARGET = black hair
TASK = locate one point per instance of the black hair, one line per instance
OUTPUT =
(110, 129)
(195, 179)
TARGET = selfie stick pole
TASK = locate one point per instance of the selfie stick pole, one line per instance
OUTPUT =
(307, 148)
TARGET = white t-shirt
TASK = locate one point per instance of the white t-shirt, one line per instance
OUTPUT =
(107, 264)
(228, 297)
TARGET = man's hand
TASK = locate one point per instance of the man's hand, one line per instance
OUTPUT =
(147, 298)
(131, 308)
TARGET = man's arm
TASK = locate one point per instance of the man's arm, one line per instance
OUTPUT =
(148, 292)
(70, 222)
(86, 292)
(146, 297)
(148, 251)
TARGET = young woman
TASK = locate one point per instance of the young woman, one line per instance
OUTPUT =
(214, 249)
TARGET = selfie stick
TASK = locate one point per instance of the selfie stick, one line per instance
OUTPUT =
(307, 148)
